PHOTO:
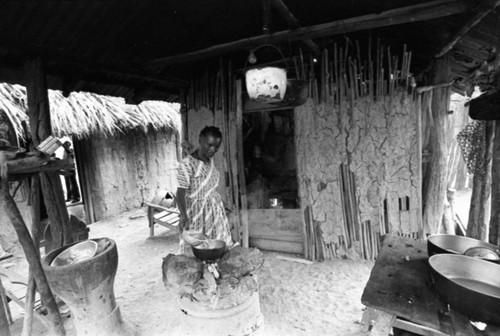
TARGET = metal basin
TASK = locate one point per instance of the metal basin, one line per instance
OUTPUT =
(469, 285)
(443, 243)
(212, 249)
(76, 253)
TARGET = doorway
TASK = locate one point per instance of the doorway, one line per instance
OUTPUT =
(274, 215)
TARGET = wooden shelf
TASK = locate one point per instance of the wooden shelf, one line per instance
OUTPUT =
(36, 164)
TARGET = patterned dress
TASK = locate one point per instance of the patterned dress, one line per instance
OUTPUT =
(204, 206)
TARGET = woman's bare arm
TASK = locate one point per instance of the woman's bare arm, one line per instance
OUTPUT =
(181, 204)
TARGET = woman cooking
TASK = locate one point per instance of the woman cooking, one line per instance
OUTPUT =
(200, 205)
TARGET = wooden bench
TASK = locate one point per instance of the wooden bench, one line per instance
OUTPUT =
(160, 213)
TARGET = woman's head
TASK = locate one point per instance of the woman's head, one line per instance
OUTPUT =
(210, 140)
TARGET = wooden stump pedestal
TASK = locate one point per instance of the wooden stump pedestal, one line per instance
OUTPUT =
(87, 288)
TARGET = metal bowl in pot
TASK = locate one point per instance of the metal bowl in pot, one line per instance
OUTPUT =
(469, 285)
(482, 252)
(76, 253)
(211, 249)
(444, 243)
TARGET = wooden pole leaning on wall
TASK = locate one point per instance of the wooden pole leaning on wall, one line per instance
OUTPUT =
(223, 81)
(434, 184)
(35, 236)
(494, 233)
(241, 168)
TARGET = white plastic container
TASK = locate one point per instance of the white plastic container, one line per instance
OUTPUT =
(266, 85)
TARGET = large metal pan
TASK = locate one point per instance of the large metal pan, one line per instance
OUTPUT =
(469, 285)
(211, 249)
(443, 243)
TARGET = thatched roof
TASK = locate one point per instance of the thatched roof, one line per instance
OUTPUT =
(83, 114)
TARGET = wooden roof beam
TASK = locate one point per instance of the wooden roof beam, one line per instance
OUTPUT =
(90, 65)
(421, 12)
(69, 82)
(293, 23)
(481, 11)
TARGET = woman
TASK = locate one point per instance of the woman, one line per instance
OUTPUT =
(200, 205)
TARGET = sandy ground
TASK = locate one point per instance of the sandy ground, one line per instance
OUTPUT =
(296, 299)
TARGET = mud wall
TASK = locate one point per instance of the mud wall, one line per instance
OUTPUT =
(127, 171)
(377, 141)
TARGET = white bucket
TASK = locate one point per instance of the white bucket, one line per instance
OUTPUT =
(266, 85)
(244, 319)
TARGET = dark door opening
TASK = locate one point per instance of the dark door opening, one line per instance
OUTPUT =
(274, 214)
(270, 160)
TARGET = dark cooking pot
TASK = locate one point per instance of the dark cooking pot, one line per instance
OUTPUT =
(212, 249)
(443, 243)
(469, 285)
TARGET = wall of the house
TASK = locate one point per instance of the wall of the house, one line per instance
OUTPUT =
(377, 140)
(126, 171)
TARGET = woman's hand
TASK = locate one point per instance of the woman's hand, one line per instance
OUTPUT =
(193, 238)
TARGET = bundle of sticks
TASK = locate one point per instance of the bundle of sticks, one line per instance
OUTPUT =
(344, 73)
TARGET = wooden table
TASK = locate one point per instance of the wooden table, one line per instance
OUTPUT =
(400, 293)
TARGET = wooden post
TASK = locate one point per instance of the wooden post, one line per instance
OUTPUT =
(420, 167)
(241, 168)
(495, 189)
(35, 235)
(40, 127)
(434, 184)
(39, 116)
(480, 204)
(32, 256)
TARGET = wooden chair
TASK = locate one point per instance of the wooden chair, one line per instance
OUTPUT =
(162, 210)
(14, 287)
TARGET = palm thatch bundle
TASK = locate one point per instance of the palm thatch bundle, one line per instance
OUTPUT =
(84, 114)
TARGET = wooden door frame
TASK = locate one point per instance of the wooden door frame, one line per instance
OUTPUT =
(244, 213)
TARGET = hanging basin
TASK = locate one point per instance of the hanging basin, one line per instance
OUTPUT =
(266, 85)
(468, 285)
(444, 243)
